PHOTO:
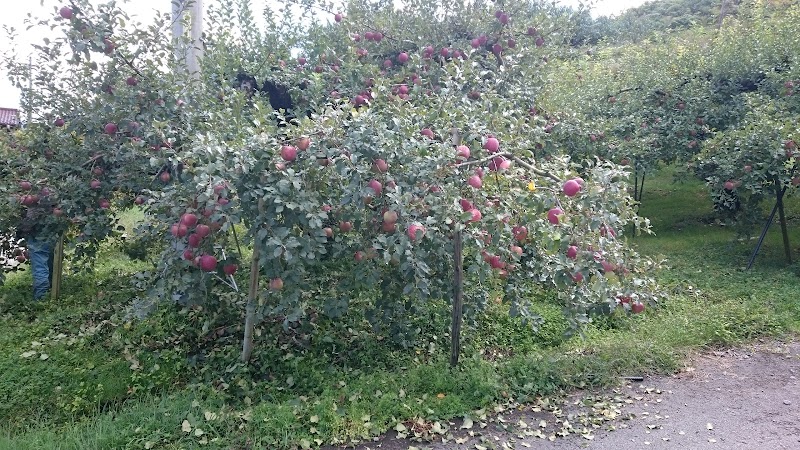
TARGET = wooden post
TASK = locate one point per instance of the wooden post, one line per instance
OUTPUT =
(458, 299)
(252, 297)
(58, 269)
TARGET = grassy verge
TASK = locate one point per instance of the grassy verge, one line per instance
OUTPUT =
(79, 374)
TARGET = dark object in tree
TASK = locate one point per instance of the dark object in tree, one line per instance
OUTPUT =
(245, 83)
(279, 97)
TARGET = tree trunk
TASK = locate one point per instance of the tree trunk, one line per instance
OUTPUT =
(458, 299)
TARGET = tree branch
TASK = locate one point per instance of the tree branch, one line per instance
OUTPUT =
(518, 160)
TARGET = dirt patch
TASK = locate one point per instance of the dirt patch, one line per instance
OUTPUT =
(745, 398)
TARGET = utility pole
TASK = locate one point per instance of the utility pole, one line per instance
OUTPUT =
(30, 91)
(188, 58)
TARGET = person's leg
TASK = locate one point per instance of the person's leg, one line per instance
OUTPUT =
(39, 252)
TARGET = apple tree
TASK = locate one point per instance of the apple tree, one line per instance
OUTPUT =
(397, 146)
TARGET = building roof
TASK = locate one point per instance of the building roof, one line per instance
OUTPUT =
(9, 117)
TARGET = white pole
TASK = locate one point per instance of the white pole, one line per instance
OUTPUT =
(177, 31)
(196, 47)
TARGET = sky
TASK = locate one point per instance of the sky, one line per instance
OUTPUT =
(15, 12)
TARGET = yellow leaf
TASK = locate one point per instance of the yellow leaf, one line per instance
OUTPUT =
(440, 395)
(531, 186)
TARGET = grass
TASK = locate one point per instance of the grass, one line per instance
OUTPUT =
(163, 382)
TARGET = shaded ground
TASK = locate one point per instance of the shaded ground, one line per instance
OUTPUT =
(747, 398)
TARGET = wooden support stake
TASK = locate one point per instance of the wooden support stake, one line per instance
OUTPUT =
(58, 269)
(458, 299)
(782, 217)
(252, 297)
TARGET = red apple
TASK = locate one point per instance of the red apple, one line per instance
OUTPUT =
(58, 212)
(571, 188)
(475, 215)
(202, 230)
(606, 231)
(730, 185)
(338, 17)
(416, 231)
(303, 143)
(345, 227)
(402, 58)
(475, 181)
(288, 153)
(189, 219)
(572, 252)
(194, 240)
(131, 81)
(165, 177)
(230, 269)
(25, 185)
(427, 132)
(748, 168)
(516, 249)
(637, 307)
(208, 263)
(390, 216)
(276, 284)
(492, 145)
(496, 263)
(328, 231)
(29, 200)
(179, 230)
(65, 12)
(520, 233)
(607, 266)
(380, 166)
(466, 205)
(111, 128)
(188, 255)
(95, 184)
(109, 46)
(376, 186)
(139, 200)
(103, 203)
(462, 152)
(553, 215)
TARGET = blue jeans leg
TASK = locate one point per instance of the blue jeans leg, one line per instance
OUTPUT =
(39, 252)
